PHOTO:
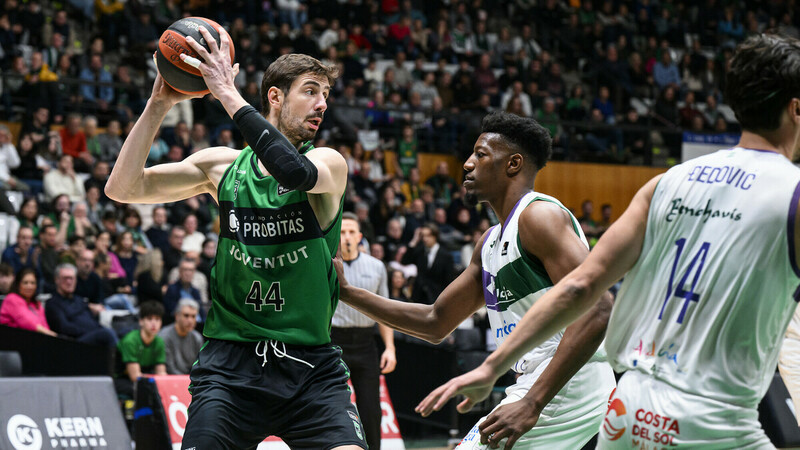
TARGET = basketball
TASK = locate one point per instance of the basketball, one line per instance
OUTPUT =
(177, 74)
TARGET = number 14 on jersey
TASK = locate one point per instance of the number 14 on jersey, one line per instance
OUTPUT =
(680, 291)
(272, 297)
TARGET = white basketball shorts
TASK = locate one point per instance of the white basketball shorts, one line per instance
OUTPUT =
(645, 413)
(570, 420)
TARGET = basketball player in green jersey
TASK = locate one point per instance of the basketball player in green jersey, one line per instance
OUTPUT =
(561, 394)
(268, 367)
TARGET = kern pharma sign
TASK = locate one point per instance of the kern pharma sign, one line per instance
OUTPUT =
(61, 413)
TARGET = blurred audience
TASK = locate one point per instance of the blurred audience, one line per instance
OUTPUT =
(21, 309)
(181, 340)
(73, 316)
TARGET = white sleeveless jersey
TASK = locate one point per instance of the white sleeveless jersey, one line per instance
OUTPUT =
(513, 280)
(705, 307)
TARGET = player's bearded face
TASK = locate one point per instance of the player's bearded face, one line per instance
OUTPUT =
(293, 123)
(303, 108)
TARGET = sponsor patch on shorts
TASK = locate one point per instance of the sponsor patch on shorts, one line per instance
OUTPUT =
(358, 430)
(473, 436)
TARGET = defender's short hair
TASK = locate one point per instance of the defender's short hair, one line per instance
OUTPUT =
(763, 78)
(524, 133)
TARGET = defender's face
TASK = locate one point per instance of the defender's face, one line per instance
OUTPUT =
(483, 168)
(303, 108)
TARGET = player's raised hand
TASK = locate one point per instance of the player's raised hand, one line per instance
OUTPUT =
(475, 385)
(509, 421)
(216, 65)
(164, 93)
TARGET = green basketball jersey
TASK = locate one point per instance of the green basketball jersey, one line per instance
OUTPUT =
(273, 277)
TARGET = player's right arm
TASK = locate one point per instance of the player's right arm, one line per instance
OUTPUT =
(432, 323)
(131, 182)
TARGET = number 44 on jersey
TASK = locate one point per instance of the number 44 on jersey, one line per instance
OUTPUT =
(272, 297)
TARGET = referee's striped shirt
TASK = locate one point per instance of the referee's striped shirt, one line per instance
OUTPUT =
(368, 273)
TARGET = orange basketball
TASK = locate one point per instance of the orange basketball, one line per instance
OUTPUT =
(176, 73)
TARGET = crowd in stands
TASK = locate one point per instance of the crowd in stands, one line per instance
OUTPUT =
(416, 76)
(601, 74)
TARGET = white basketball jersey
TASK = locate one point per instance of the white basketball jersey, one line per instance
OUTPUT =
(705, 307)
(513, 280)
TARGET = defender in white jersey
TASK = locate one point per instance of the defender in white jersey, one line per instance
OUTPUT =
(564, 384)
(708, 252)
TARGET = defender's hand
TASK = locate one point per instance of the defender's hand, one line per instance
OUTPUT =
(339, 266)
(508, 421)
(475, 385)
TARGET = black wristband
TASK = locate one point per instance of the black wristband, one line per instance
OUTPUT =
(291, 169)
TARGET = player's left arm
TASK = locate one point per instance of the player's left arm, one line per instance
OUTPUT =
(161, 369)
(546, 232)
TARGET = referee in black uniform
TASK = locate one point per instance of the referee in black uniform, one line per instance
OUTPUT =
(355, 333)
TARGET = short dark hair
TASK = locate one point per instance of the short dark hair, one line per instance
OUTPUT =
(433, 228)
(130, 212)
(100, 258)
(287, 68)
(764, 76)
(44, 228)
(151, 308)
(524, 133)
